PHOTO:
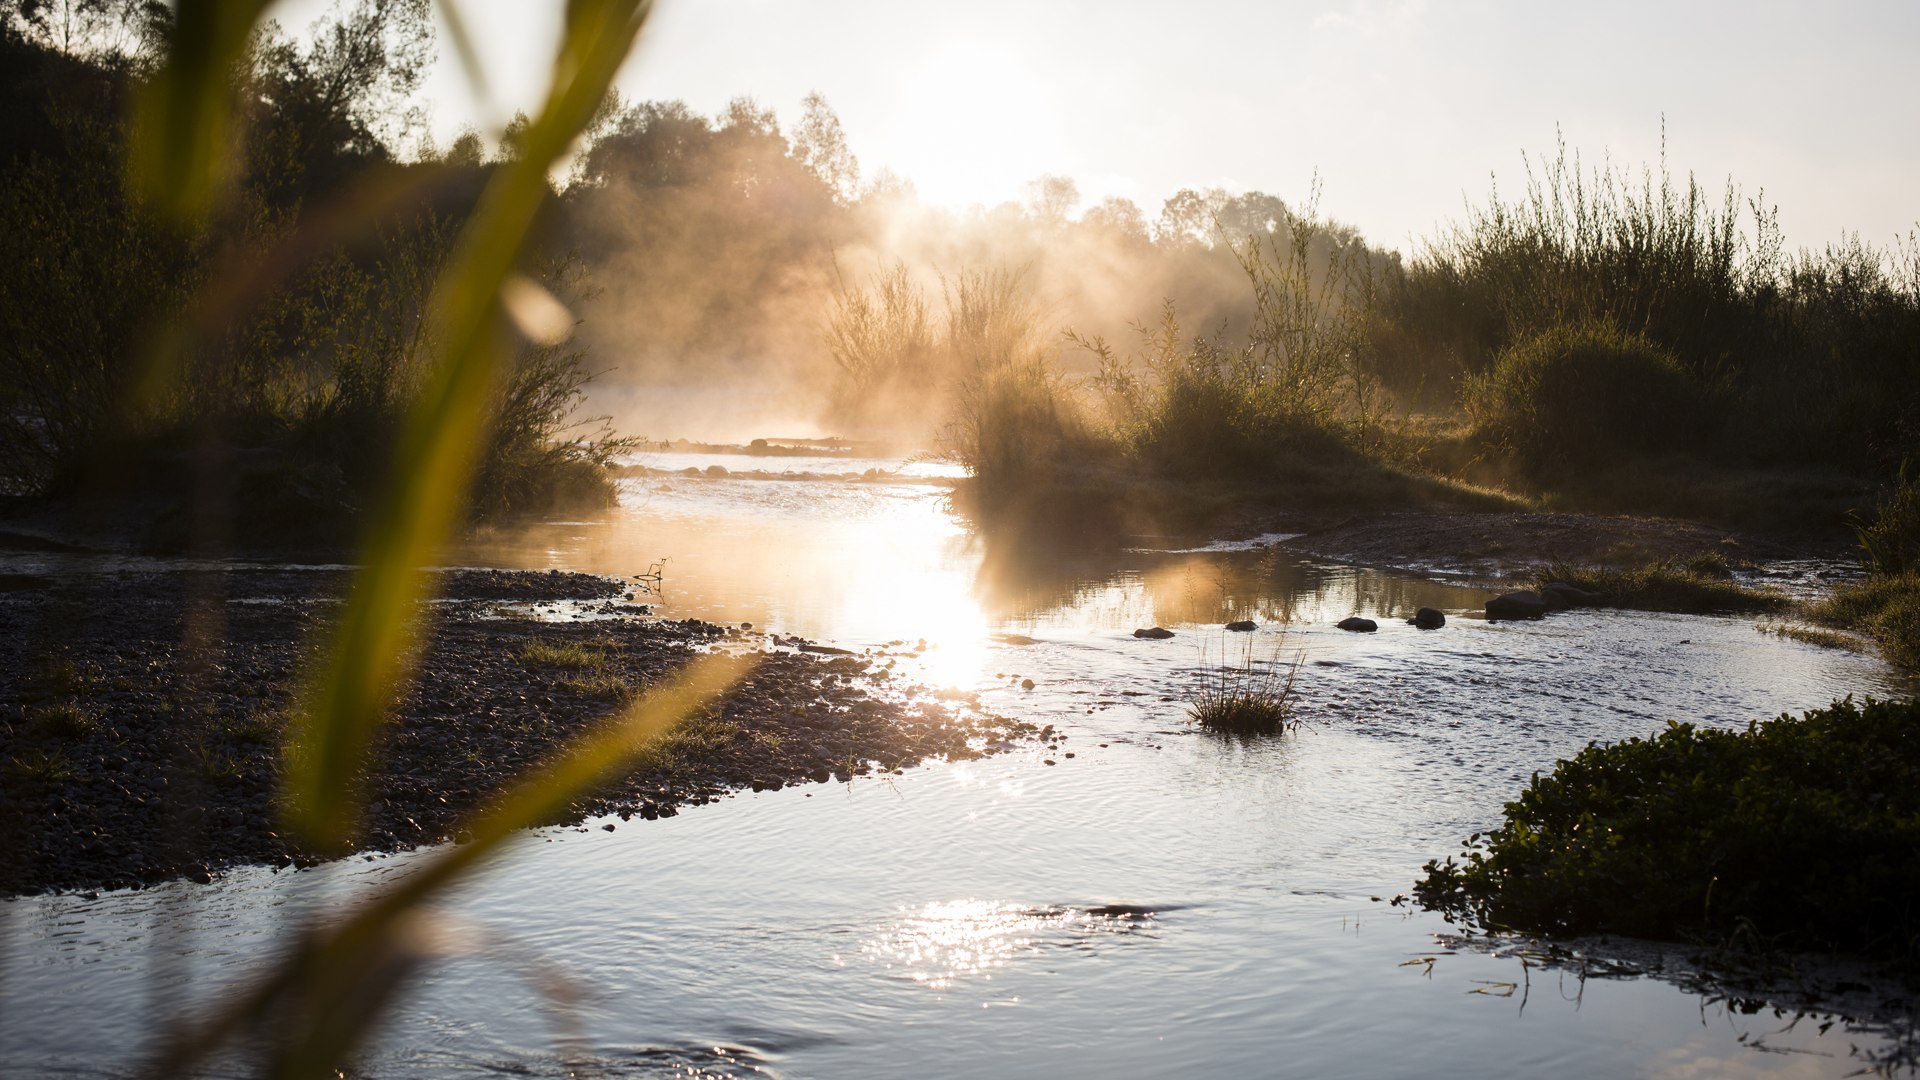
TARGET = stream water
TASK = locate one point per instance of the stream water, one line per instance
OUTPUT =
(1155, 901)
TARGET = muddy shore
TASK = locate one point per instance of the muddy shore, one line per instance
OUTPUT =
(141, 714)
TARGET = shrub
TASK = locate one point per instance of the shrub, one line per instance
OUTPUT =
(1804, 833)
(1584, 394)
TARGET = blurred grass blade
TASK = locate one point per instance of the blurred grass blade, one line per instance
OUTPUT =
(463, 49)
(183, 118)
(324, 998)
(433, 464)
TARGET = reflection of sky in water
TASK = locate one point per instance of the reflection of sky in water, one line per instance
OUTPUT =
(796, 464)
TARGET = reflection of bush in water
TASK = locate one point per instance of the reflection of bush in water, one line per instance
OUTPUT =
(1796, 833)
(1813, 1005)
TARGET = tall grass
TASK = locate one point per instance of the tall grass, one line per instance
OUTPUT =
(1811, 354)
(882, 339)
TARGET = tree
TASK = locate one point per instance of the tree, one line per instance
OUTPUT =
(1052, 198)
(342, 100)
(820, 144)
(1119, 218)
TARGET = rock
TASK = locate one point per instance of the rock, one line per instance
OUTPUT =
(1026, 684)
(1428, 619)
(1157, 633)
(1243, 626)
(1358, 625)
(717, 470)
(1526, 604)
(1561, 594)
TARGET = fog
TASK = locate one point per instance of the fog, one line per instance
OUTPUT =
(719, 249)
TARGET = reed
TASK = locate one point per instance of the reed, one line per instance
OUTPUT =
(1248, 698)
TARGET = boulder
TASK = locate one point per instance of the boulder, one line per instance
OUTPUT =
(1526, 604)
(717, 470)
(1428, 619)
(1358, 625)
(1561, 594)
(1156, 633)
(1243, 626)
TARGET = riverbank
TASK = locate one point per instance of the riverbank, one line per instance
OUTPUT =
(1514, 544)
(141, 715)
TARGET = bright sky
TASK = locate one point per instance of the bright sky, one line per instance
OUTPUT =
(1403, 108)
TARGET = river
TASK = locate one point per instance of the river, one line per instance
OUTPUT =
(1145, 900)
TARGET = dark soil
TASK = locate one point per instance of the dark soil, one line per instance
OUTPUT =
(141, 715)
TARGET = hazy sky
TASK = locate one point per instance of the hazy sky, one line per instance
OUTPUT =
(1403, 108)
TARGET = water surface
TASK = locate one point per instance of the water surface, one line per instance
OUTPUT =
(1142, 900)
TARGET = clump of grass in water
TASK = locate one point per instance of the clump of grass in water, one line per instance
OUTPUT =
(1703, 583)
(1811, 635)
(1248, 698)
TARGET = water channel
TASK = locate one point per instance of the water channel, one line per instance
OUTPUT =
(1156, 902)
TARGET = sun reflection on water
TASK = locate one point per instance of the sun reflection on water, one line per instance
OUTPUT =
(944, 942)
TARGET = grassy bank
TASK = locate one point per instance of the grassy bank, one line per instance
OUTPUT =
(1887, 604)
(1701, 584)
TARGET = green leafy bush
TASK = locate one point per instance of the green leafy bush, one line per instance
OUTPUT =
(1584, 393)
(1803, 833)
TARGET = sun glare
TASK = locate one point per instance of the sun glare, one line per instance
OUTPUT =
(974, 124)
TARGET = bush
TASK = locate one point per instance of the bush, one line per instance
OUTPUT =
(1801, 833)
(1584, 394)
